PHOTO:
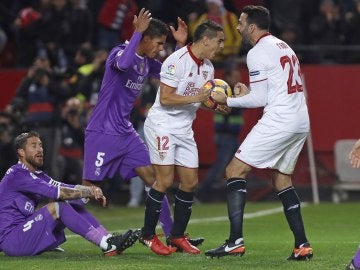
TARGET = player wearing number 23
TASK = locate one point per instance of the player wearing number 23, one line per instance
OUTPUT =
(277, 139)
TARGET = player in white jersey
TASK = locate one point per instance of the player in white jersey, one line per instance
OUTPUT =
(277, 139)
(170, 137)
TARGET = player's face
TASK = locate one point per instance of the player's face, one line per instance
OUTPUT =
(154, 46)
(33, 152)
(243, 28)
(215, 45)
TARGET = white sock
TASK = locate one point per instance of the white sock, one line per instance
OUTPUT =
(103, 243)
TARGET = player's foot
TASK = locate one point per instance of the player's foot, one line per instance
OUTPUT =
(351, 266)
(154, 243)
(303, 252)
(193, 241)
(57, 249)
(228, 248)
(117, 243)
(183, 244)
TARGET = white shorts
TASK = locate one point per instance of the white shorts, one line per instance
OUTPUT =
(266, 147)
(171, 149)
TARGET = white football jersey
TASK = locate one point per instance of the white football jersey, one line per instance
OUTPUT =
(274, 66)
(183, 71)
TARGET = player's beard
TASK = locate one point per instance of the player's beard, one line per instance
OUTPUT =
(36, 162)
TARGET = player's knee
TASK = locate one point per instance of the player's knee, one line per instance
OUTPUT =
(53, 209)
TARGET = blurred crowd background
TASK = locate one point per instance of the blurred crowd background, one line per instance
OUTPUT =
(63, 44)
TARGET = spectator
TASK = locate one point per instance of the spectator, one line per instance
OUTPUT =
(328, 28)
(71, 143)
(115, 22)
(216, 12)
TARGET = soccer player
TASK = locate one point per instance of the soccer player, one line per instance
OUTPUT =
(111, 143)
(25, 231)
(170, 137)
(354, 157)
(277, 139)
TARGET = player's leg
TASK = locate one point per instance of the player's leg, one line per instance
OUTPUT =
(236, 173)
(38, 233)
(184, 199)
(79, 207)
(355, 262)
(79, 224)
(292, 145)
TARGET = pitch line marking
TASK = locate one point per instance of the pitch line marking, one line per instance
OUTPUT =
(256, 214)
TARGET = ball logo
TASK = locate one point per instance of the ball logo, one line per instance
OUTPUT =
(171, 69)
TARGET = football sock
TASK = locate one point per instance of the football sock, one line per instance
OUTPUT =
(77, 224)
(152, 212)
(182, 212)
(89, 217)
(236, 198)
(356, 258)
(165, 219)
(291, 204)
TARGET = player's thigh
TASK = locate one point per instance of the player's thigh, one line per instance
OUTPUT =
(188, 178)
(34, 236)
(161, 145)
(186, 152)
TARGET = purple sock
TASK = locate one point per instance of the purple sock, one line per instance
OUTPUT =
(78, 224)
(357, 258)
(165, 217)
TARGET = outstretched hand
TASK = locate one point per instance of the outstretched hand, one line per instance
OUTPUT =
(98, 195)
(141, 21)
(181, 34)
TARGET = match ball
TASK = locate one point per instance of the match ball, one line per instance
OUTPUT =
(216, 85)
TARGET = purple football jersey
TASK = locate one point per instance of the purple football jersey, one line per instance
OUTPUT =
(20, 193)
(125, 74)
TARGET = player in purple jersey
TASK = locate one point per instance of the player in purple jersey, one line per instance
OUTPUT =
(111, 143)
(25, 231)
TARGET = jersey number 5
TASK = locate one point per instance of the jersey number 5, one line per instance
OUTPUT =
(294, 78)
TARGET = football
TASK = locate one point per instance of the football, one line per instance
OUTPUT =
(216, 85)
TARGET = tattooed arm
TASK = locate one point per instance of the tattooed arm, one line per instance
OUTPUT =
(79, 192)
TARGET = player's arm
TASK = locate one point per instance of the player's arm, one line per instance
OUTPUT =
(354, 155)
(123, 59)
(81, 192)
(168, 96)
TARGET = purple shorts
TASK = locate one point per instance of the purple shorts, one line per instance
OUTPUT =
(106, 155)
(38, 233)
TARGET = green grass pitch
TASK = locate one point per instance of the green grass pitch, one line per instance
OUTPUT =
(333, 230)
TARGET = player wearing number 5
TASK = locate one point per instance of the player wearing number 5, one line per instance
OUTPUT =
(277, 139)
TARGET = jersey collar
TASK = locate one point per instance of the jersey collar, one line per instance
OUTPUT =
(198, 61)
(264, 35)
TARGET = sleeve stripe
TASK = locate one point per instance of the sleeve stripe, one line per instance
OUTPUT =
(259, 81)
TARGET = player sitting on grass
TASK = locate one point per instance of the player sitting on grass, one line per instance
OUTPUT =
(25, 231)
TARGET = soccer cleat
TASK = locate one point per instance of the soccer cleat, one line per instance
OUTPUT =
(303, 252)
(117, 243)
(156, 245)
(183, 244)
(228, 248)
(194, 241)
(351, 266)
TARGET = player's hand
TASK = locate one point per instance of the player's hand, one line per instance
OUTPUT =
(181, 34)
(223, 109)
(141, 21)
(354, 155)
(98, 195)
(219, 97)
(240, 90)
(202, 95)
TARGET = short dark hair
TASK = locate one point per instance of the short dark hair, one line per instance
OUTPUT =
(156, 28)
(207, 29)
(258, 15)
(21, 139)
